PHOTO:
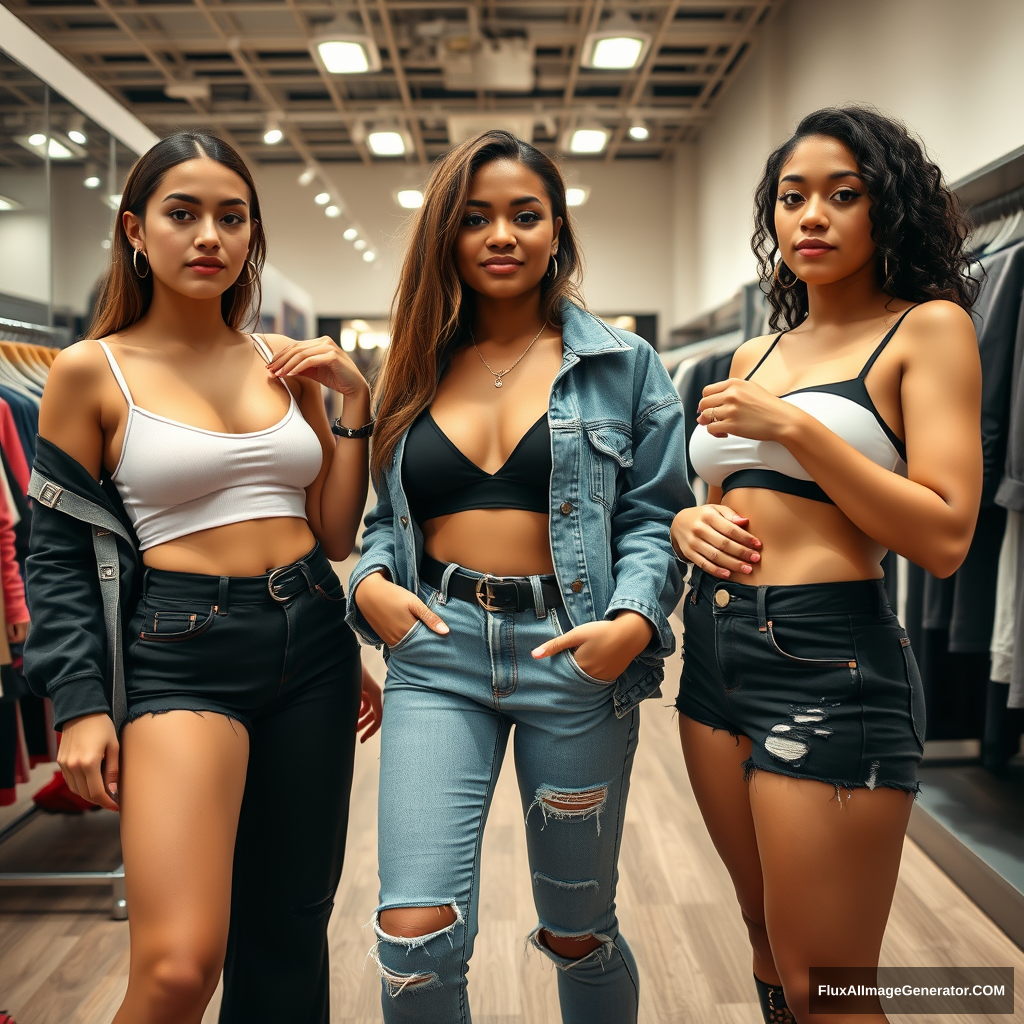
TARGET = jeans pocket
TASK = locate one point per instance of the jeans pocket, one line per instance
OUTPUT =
(174, 625)
(414, 629)
(915, 692)
(571, 658)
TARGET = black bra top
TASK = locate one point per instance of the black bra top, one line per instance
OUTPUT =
(440, 480)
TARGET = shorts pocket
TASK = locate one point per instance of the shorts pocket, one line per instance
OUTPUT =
(815, 662)
(330, 590)
(915, 691)
(172, 626)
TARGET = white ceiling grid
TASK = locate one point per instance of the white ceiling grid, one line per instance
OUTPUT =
(236, 64)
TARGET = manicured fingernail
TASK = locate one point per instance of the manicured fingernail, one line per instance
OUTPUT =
(538, 652)
(757, 543)
(746, 568)
(755, 557)
(442, 628)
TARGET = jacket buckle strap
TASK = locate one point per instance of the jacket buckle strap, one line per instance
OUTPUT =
(50, 494)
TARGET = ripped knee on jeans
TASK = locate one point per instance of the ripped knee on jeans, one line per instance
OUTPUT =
(407, 929)
(571, 950)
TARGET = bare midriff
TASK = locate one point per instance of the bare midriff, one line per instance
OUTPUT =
(804, 541)
(249, 548)
(499, 541)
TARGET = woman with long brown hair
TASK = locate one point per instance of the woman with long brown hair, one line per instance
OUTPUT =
(198, 462)
(518, 569)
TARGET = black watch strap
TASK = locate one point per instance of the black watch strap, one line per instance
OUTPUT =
(353, 433)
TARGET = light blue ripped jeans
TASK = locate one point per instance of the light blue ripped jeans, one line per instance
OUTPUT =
(450, 703)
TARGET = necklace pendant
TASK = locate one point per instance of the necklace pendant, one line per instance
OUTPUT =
(497, 382)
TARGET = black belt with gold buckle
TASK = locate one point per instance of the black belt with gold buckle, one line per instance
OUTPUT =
(492, 593)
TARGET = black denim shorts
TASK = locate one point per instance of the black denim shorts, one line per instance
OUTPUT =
(820, 677)
(238, 645)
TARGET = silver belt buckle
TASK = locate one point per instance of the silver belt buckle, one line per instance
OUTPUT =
(485, 593)
(50, 494)
(272, 580)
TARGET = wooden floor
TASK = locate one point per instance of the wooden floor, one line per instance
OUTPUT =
(63, 961)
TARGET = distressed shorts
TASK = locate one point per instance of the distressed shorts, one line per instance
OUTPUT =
(820, 677)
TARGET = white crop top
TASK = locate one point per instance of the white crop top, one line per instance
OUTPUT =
(176, 479)
(845, 407)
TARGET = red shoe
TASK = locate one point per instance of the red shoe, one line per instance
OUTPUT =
(56, 798)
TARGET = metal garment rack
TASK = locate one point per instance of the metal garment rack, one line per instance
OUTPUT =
(114, 879)
(16, 330)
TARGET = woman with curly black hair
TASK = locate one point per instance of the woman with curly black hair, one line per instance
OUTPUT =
(852, 431)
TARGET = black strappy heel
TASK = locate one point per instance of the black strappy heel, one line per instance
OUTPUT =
(774, 1007)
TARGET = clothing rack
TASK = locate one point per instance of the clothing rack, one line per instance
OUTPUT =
(26, 352)
(114, 879)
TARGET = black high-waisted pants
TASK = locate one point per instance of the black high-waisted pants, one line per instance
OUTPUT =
(272, 652)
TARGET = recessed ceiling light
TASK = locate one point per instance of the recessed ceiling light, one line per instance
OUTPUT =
(588, 139)
(272, 135)
(9, 204)
(616, 45)
(105, 244)
(360, 244)
(36, 139)
(576, 195)
(333, 211)
(92, 181)
(350, 234)
(369, 256)
(386, 142)
(308, 174)
(76, 136)
(409, 198)
(344, 47)
(114, 202)
(639, 131)
(322, 198)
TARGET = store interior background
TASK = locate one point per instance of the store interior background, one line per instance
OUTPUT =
(666, 241)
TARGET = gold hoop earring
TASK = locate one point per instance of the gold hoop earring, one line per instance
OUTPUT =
(136, 253)
(253, 275)
(778, 280)
(885, 265)
(552, 274)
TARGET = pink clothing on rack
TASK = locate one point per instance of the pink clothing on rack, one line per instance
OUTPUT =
(15, 608)
(11, 444)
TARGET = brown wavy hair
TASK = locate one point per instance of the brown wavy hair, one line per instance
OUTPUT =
(432, 312)
(124, 297)
(917, 225)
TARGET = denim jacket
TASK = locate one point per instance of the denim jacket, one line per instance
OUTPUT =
(618, 478)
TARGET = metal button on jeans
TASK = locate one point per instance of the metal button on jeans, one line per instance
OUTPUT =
(576, 586)
(565, 508)
(722, 598)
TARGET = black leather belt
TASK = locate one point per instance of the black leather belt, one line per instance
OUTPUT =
(492, 593)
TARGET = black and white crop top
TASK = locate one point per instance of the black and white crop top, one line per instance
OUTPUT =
(440, 480)
(845, 407)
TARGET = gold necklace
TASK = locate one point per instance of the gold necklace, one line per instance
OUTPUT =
(498, 374)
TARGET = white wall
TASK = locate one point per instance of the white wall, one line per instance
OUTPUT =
(625, 228)
(25, 235)
(949, 69)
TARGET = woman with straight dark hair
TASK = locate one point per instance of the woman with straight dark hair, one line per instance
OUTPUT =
(518, 569)
(198, 462)
(852, 431)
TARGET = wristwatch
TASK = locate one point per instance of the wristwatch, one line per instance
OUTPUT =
(354, 433)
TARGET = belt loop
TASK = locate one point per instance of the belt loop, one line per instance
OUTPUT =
(222, 595)
(762, 615)
(449, 569)
(538, 597)
(882, 597)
